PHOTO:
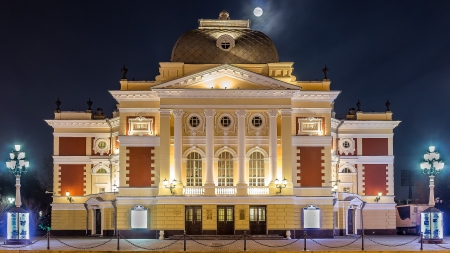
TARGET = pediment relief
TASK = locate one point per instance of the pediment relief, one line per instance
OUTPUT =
(226, 77)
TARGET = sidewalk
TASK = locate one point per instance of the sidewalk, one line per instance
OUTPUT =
(344, 243)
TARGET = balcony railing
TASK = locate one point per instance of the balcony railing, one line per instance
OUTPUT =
(257, 190)
(193, 190)
(225, 190)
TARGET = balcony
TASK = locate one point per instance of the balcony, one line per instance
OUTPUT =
(224, 190)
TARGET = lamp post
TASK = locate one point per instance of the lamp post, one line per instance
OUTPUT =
(17, 218)
(431, 166)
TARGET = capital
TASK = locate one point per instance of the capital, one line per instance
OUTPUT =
(241, 113)
(272, 113)
(177, 113)
(210, 112)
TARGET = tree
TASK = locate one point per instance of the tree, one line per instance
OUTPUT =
(4, 207)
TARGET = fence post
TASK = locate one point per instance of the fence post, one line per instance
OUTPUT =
(118, 239)
(304, 241)
(421, 241)
(48, 239)
(362, 241)
(184, 235)
(245, 240)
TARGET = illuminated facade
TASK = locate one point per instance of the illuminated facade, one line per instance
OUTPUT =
(200, 149)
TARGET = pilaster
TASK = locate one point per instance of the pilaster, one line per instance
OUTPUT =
(177, 144)
(209, 182)
(286, 145)
(164, 151)
(241, 185)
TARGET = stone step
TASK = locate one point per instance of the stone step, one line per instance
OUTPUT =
(227, 237)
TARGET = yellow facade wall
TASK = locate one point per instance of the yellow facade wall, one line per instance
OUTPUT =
(70, 220)
(170, 217)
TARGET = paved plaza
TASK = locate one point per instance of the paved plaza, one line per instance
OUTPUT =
(345, 243)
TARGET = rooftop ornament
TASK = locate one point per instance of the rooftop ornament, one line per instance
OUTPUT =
(325, 71)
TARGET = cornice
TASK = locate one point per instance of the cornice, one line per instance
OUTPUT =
(226, 70)
(366, 159)
(327, 96)
(215, 93)
(77, 123)
(97, 135)
(366, 124)
(132, 95)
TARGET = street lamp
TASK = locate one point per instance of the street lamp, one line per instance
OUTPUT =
(431, 166)
(17, 218)
(172, 185)
(280, 186)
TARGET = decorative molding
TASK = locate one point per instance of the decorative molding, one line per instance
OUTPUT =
(78, 123)
(94, 135)
(226, 130)
(327, 96)
(241, 113)
(101, 166)
(140, 126)
(194, 130)
(209, 112)
(262, 129)
(220, 71)
(256, 149)
(311, 110)
(139, 141)
(367, 159)
(226, 149)
(347, 165)
(178, 113)
(101, 146)
(225, 106)
(363, 135)
(194, 149)
(272, 113)
(139, 110)
(309, 126)
(366, 124)
(227, 39)
(346, 146)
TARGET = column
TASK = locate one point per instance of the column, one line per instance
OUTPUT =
(273, 144)
(241, 185)
(177, 144)
(164, 149)
(287, 149)
(209, 182)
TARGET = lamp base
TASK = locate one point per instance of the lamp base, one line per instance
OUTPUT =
(17, 242)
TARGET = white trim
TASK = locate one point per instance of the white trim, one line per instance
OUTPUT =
(256, 149)
(311, 110)
(139, 141)
(369, 124)
(194, 149)
(72, 123)
(311, 141)
(367, 159)
(225, 70)
(95, 135)
(228, 149)
(226, 106)
(70, 206)
(216, 93)
(72, 160)
(137, 110)
(365, 135)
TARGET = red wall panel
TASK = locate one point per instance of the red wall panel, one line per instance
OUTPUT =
(374, 146)
(72, 179)
(72, 146)
(140, 170)
(310, 170)
(375, 179)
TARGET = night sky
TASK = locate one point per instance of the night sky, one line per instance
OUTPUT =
(375, 50)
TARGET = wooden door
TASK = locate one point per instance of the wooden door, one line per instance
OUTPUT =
(258, 225)
(225, 220)
(193, 220)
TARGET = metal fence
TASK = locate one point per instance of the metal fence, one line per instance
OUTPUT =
(188, 243)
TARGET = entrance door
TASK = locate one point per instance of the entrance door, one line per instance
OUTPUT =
(98, 221)
(225, 220)
(257, 220)
(350, 221)
(193, 220)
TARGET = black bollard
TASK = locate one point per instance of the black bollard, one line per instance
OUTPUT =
(118, 240)
(245, 240)
(304, 241)
(48, 239)
(421, 241)
(184, 235)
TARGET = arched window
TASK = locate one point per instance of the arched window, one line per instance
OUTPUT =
(194, 169)
(101, 170)
(346, 170)
(256, 169)
(225, 169)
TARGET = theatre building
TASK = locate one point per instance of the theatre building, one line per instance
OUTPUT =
(224, 141)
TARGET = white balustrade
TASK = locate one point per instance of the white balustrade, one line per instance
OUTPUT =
(193, 190)
(225, 190)
(258, 190)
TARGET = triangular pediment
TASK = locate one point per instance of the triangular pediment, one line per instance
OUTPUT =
(226, 77)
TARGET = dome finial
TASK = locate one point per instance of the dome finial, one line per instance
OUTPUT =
(224, 15)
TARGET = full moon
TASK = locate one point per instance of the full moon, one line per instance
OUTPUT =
(258, 12)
